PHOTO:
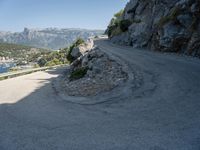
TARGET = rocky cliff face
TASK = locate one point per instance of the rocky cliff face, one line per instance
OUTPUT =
(164, 25)
(52, 38)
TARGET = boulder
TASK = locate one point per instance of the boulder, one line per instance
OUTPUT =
(103, 74)
(76, 52)
(172, 38)
(82, 49)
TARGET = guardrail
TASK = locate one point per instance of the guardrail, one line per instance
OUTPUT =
(9, 75)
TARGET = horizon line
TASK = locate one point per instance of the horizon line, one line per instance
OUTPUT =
(42, 28)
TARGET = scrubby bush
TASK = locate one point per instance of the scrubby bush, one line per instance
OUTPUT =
(119, 14)
(77, 43)
(42, 62)
(124, 25)
(63, 56)
(118, 28)
(53, 62)
(79, 73)
(113, 26)
(70, 58)
(113, 30)
(116, 31)
(119, 25)
(53, 58)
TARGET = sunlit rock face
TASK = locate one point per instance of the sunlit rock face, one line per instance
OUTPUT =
(52, 38)
(164, 25)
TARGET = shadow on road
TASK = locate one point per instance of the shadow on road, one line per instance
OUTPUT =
(43, 121)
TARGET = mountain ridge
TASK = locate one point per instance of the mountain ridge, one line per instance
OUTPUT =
(51, 38)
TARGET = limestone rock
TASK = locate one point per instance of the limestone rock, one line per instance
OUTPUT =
(165, 25)
(103, 74)
(82, 49)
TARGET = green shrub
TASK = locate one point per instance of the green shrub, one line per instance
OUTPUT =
(79, 73)
(78, 42)
(116, 31)
(63, 56)
(119, 14)
(53, 62)
(124, 25)
(110, 30)
(119, 26)
(70, 58)
(113, 27)
(42, 62)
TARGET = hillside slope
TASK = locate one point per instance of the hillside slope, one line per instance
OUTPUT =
(164, 25)
(17, 52)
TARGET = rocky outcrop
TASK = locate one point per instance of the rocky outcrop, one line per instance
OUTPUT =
(93, 72)
(51, 38)
(164, 25)
(82, 49)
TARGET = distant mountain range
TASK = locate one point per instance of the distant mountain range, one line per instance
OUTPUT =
(51, 38)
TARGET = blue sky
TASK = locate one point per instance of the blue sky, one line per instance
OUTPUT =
(89, 14)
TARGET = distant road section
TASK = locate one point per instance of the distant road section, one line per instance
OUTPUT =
(8, 75)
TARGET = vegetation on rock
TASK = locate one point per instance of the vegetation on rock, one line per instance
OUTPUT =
(54, 58)
(78, 73)
(62, 56)
(78, 42)
(119, 25)
(113, 28)
(124, 25)
(169, 26)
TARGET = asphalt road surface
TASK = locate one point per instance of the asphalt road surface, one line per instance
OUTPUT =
(163, 114)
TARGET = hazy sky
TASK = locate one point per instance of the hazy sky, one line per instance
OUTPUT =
(90, 14)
